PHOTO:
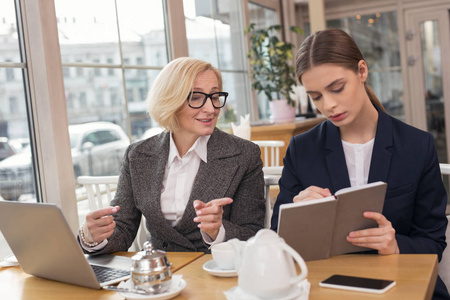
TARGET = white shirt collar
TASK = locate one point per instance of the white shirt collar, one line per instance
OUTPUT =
(199, 147)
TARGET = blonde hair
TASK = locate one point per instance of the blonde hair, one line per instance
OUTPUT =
(172, 87)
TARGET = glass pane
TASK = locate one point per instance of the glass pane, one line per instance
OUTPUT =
(16, 168)
(88, 31)
(229, 34)
(200, 30)
(138, 83)
(431, 57)
(8, 31)
(142, 32)
(17, 174)
(263, 17)
(377, 37)
(215, 34)
(236, 85)
(96, 100)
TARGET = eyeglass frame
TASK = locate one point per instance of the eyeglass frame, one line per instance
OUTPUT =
(225, 94)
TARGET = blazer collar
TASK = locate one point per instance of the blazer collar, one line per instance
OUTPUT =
(381, 156)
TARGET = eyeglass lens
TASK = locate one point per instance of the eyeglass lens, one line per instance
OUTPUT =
(198, 99)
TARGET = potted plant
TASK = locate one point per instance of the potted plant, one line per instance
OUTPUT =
(271, 70)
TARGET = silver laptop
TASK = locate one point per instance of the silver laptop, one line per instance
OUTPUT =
(44, 246)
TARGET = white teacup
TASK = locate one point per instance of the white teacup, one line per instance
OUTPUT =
(224, 255)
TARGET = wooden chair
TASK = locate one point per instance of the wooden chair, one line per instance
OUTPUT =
(445, 169)
(270, 151)
(100, 191)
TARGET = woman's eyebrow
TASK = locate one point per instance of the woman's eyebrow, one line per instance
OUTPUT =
(328, 86)
(334, 82)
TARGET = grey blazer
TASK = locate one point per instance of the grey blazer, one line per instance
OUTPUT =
(234, 169)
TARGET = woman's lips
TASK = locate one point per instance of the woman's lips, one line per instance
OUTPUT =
(205, 121)
(337, 117)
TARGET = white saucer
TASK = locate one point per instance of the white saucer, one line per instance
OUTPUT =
(299, 292)
(172, 292)
(9, 261)
(213, 269)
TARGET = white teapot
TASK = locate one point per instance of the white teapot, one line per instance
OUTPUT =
(265, 266)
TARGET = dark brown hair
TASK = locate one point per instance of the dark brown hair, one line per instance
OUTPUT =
(331, 46)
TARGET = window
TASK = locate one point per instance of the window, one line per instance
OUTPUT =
(130, 37)
(263, 17)
(377, 37)
(17, 166)
(215, 33)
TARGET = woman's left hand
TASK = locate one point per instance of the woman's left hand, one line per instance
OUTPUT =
(209, 215)
(381, 238)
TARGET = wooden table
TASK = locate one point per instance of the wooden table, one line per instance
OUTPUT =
(415, 275)
(15, 284)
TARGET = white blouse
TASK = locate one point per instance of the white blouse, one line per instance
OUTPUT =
(358, 157)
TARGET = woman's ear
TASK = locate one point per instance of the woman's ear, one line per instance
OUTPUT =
(363, 70)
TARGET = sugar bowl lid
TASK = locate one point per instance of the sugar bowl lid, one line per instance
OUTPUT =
(150, 260)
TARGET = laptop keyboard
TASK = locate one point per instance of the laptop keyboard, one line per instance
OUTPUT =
(105, 274)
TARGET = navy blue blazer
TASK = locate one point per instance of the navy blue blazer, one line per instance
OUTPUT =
(403, 156)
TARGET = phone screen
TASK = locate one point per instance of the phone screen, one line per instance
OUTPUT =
(358, 283)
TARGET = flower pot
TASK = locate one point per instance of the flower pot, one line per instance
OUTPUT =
(282, 112)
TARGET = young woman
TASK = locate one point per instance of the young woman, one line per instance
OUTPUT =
(195, 185)
(358, 144)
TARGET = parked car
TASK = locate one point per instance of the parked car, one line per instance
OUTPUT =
(97, 149)
(6, 148)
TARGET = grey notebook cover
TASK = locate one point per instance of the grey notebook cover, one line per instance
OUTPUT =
(317, 229)
(44, 245)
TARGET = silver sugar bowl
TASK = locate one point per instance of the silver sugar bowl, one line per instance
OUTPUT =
(151, 271)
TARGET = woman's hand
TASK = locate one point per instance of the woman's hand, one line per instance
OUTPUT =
(381, 238)
(312, 192)
(100, 223)
(209, 215)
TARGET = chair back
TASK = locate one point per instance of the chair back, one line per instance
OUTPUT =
(269, 180)
(100, 190)
(270, 153)
(445, 169)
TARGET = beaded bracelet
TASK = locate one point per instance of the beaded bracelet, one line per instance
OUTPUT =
(84, 240)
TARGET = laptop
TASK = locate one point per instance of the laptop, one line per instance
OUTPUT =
(44, 245)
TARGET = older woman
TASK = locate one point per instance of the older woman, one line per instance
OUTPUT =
(195, 185)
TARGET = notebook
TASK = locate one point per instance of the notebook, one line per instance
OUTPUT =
(45, 246)
(317, 229)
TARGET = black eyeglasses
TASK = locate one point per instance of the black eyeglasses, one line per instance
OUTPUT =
(198, 99)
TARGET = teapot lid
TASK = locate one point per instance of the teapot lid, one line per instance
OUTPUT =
(265, 236)
(150, 260)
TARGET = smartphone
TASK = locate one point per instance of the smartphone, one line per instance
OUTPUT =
(360, 284)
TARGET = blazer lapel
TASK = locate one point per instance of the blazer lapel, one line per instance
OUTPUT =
(381, 156)
(337, 167)
(216, 170)
(151, 171)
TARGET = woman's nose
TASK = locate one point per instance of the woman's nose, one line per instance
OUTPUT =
(208, 106)
(328, 102)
